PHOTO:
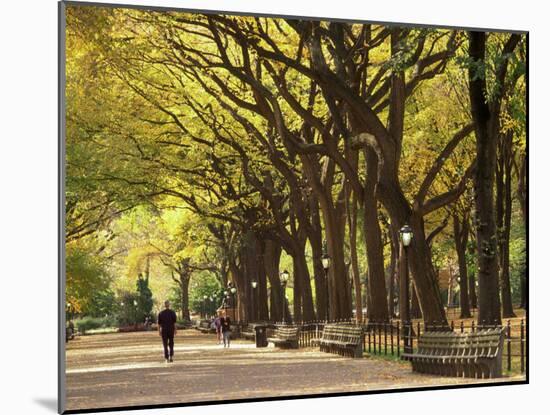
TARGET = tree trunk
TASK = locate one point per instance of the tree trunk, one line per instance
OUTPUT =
(464, 294)
(460, 234)
(295, 244)
(393, 270)
(339, 305)
(339, 287)
(376, 291)
(297, 291)
(522, 188)
(271, 262)
(341, 214)
(184, 295)
(261, 303)
(415, 305)
(240, 300)
(252, 254)
(356, 277)
(420, 262)
(404, 297)
(450, 291)
(486, 235)
(504, 239)
(522, 196)
(472, 290)
(316, 241)
(307, 312)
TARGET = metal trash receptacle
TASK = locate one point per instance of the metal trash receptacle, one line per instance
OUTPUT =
(261, 336)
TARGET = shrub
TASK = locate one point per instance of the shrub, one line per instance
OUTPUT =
(131, 328)
(91, 323)
(88, 323)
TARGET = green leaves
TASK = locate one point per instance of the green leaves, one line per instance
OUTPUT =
(86, 275)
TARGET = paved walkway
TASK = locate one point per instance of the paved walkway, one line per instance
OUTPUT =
(126, 369)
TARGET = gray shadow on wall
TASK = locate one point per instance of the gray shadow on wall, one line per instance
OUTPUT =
(48, 403)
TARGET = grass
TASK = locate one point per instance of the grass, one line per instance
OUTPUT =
(103, 330)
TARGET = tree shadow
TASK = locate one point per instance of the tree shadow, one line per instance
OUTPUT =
(48, 403)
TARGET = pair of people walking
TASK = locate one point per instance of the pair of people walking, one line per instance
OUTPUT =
(222, 323)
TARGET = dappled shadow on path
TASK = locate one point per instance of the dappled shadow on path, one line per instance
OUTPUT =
(128, 369)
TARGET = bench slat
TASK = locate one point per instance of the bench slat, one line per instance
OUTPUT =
(459, 354)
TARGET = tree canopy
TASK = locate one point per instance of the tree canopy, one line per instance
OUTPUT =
(228, 148)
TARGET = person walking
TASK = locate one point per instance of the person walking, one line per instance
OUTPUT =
(225, 322)
(218, 327)
(167, 330)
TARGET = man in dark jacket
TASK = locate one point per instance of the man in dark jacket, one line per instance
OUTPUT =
(226, 329)
(218, 326)
(167, 330)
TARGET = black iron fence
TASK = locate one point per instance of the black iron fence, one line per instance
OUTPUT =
(390, 338)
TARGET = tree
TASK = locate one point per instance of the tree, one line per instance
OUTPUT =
(86, 276)
(144, 297)
(129, 313)
(486, 111)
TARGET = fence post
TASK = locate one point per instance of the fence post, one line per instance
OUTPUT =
(391, 337)
(379, 339)
(374, 344)
(385, 338)
(417, 333)
(368, 335)
(398, 339)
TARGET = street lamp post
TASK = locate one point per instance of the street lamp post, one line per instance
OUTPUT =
(204, 298)
(326, 265)
(404, 308)
(254, 284)
(231, 290)
(135, 314)
(225, 300)
(284, 280)
(235, 302)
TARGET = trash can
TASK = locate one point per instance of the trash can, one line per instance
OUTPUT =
(261, 336)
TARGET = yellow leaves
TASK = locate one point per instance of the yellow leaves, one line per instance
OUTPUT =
(507, 123)
(74, 303)
(86, 272)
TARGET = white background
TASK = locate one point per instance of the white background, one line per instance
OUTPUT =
(28, 237)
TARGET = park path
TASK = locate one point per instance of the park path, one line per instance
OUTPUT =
(126, 369)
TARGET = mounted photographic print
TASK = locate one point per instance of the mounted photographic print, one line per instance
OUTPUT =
(271, 207)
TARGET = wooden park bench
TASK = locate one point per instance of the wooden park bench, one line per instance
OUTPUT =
(343, 339)
(181, 325)
(248, 332)
(204, 326)
(477, 354)
(69, 333)
(285, 336)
